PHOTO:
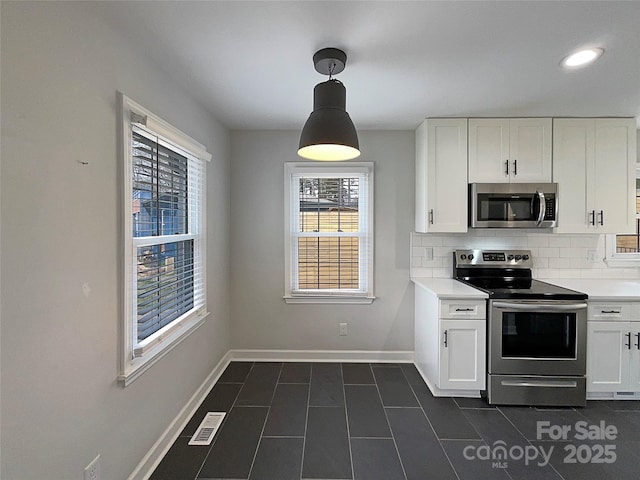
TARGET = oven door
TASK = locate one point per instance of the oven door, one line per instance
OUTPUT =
(537, 337)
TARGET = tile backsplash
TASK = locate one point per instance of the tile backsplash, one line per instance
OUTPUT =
(554, 255)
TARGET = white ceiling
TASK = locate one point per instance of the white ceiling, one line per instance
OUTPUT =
(250, 63)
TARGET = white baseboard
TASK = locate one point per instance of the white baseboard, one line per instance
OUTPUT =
(151, 460)
(363, 356)
(154, 456)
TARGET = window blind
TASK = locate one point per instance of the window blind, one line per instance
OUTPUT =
(330, 228)
(167, 194)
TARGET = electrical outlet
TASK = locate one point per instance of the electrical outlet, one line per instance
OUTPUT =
(592, 255)
(92, 471)
(343, 329)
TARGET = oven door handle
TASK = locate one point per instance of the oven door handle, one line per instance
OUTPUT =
(535, 307)
(540, 383)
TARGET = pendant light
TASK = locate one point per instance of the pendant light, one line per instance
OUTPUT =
(329, 133)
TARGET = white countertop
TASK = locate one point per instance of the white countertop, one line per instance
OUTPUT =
(601, 289)
(448, 288)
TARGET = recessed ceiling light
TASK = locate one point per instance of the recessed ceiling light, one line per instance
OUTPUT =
(582, 57)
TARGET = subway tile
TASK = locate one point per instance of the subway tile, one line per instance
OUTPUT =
(550, 252)
(326, 385)
(364, 412)
(326, 452)
(375, 459)
(234, 448)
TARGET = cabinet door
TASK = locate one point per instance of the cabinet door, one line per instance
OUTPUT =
(441, 175)
(593, 164)
(489, 150)
(530, 150)
(573, 164)
(462, 354)
(614, 174)
(634, 357)
(607, 356)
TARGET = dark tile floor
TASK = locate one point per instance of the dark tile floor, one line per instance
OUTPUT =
(379, 421)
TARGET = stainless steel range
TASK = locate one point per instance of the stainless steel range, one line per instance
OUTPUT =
(536, 332)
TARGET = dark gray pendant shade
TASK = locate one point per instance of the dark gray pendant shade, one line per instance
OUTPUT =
(329, 133)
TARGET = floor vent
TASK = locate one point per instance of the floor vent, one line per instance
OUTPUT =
(207, 429)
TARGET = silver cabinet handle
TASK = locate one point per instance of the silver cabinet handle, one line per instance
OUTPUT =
(515, 168)
(431, 216)
(638, 340)
(506, 168)
(610, 311)
(445, 338)
(601, 215)
(534, 307)
(465, 309)
(628, 343)
(592, 217)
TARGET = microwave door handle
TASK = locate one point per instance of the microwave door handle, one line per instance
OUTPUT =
(540, 195)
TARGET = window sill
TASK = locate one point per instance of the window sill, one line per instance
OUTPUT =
(136, 367)
(327, 299)
(623, 262)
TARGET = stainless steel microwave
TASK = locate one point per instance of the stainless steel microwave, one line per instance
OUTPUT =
(513, 205)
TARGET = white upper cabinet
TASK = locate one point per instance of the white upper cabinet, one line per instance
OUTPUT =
(441, 175)
(509, 150)
(594, 166)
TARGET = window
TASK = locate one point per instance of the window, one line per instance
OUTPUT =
(164, 243)
(329, 232)
(624, 249)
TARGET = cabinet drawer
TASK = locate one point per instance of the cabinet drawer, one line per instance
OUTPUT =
(462, 309)
(609, 311)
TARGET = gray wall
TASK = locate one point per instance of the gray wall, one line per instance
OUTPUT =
(261, 319)
(61, 404)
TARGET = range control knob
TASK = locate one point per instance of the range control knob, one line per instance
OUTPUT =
(509, 257)
(463, 256)
(525, 257)
(470, 256)
(518, 258)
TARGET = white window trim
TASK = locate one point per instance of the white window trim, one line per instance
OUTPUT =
(328, 171)
(138, 357)
(615, 259)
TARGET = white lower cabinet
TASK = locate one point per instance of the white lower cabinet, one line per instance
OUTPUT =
(462, 354)
(450, 343)
(613, 350)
